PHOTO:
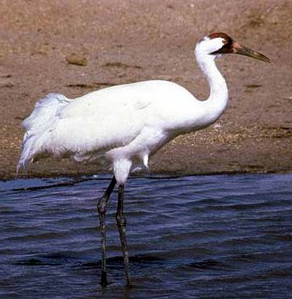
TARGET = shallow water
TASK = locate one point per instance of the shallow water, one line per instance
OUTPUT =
(189, 237)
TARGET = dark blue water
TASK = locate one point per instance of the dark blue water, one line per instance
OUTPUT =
(189, 237)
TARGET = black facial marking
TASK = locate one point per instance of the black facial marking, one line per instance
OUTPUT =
(227, 41)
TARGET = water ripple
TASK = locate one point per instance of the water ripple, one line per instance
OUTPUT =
(189, 237)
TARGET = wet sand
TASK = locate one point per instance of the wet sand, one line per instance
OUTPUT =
(74, 47)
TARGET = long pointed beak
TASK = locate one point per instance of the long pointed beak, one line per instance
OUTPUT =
(242, 50)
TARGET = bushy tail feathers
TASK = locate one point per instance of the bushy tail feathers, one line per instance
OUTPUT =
(41, 119)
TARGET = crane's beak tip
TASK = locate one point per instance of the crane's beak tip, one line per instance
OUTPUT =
(242, 50)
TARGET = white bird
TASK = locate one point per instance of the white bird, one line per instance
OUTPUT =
(124, 125)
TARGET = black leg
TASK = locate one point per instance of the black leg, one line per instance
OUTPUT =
(101, 208)
(121, 222)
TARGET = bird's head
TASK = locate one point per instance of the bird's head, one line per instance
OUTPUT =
(220, 43)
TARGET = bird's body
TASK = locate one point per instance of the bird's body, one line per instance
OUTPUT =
(120, 126)
(124, 125)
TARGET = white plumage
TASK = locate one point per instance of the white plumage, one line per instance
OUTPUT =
(120, 125)
(124, 125)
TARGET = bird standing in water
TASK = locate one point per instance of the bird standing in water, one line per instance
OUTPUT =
(124, 125)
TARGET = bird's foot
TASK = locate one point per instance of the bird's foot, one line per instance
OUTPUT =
(103, 280)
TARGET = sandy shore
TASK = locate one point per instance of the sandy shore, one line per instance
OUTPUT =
(75, 47)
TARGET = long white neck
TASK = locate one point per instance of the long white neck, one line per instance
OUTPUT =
(218, 98)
